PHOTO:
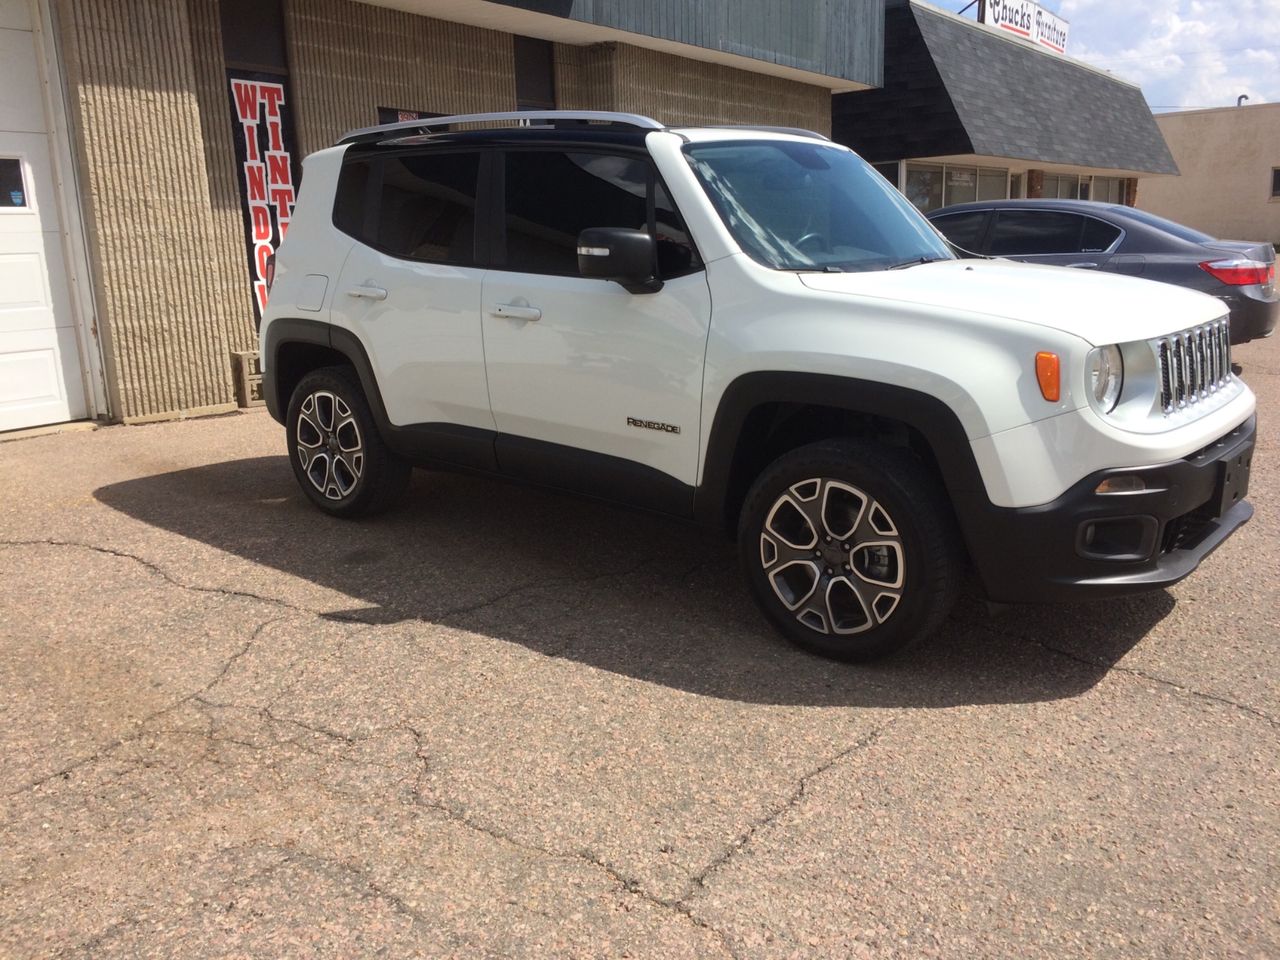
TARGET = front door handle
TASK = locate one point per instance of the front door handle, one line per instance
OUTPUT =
(368, 291)
(515, 311)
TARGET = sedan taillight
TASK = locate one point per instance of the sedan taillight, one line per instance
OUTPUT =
(1240, 273)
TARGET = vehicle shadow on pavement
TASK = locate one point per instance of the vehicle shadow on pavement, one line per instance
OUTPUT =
(614, 589)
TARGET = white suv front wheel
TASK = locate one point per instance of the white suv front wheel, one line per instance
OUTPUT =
(849, 549)
(338, 457)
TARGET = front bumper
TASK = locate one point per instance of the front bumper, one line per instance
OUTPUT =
(1085, 544)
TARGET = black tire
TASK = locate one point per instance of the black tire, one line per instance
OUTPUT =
(337, 454)
(879, 598)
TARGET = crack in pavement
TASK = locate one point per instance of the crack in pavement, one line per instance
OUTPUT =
(456, 814)
(1135, 672)
(699, 881)
(339, 616)
(160, 572)
(104, 751)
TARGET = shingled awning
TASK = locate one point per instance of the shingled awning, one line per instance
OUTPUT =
(957, 87)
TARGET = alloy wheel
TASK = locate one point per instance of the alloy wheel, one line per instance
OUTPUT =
(833, 556)
(330, 448)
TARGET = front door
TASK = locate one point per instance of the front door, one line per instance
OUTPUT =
(40, 370)
(593, 388)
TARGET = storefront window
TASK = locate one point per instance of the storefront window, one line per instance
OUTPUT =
(1107, 190)
(993, 184)
(924, 186)
(930, 186)
(962, 185)
(1062, 187)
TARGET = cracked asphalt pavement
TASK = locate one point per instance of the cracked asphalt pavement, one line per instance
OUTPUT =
(503, 723)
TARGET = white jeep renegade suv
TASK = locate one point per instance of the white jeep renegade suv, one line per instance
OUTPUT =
(749, 328)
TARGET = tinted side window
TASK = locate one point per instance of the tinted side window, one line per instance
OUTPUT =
(552, 196)
(426, 207)
(1098, 236)
(351, 201)
(1024, 233)
(965, 230)
(421, 208)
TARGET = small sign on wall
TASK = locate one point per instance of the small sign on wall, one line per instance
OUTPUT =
(262, 131)
(1028, 20)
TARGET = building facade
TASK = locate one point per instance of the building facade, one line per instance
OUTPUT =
(151, 150)
(1229, 165)
(971, 112)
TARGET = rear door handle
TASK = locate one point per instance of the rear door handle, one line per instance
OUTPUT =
(1084, 266)
(368, 291)
(515, 311)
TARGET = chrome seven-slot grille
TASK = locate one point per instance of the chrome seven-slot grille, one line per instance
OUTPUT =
(1193, 364)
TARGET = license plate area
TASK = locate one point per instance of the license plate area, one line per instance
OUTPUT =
(1233, 480)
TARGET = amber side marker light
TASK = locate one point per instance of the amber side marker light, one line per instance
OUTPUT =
(1049, 373)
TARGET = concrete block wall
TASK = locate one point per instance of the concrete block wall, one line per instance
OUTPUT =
(162, 273)
(347, 59)
(673, 89)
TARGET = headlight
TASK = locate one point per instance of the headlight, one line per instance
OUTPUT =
(1106, 376)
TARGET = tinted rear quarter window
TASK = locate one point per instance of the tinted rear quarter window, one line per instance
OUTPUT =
(351, 201)
(1027, 233)
(1098, 235)
(965, 230)
(552, 196)
(422, 207)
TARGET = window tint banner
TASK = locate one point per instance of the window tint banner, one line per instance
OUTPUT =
(262, 131)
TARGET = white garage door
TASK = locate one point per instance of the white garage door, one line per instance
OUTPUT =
(40, 371)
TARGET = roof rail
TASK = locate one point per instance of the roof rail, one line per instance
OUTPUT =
(794, 131)
(547, 117)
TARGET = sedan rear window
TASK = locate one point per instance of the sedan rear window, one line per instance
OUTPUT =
(1179, 230)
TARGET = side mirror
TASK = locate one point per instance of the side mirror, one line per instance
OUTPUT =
(619, 254)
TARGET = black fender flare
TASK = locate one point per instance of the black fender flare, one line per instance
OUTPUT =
(286, 330)
(932, 418)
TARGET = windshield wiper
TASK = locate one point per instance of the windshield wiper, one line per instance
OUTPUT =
(829, 268)
(915, 262)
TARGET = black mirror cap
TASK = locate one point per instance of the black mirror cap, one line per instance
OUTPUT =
(620, 254)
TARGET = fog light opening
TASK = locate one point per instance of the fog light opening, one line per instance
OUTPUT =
(1127, 483)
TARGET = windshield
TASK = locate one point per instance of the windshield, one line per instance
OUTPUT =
(812, 206)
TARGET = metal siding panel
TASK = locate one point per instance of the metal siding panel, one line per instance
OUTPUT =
(827, 37)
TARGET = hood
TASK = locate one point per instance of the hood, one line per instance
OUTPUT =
(1098, 307)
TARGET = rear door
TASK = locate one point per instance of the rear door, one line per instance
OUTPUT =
(593, 388)
(410, 290)
(1052, 237)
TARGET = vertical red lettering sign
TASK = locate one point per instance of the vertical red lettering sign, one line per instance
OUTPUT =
(263, 133)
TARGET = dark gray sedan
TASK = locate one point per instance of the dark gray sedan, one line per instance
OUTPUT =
(1105, 236)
